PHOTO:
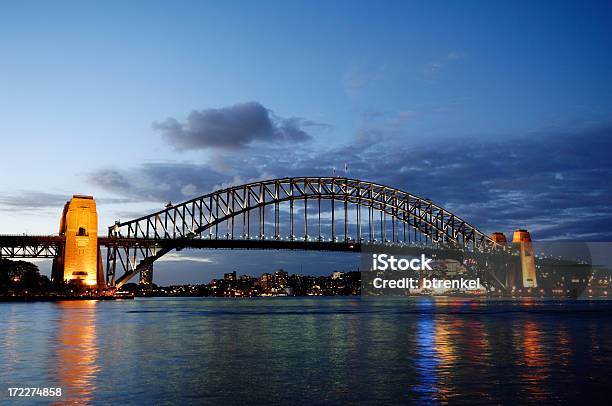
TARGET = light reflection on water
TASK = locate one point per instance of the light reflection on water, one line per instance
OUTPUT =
(76, 351)
(426, 359)
(535, 359)
(305, 350)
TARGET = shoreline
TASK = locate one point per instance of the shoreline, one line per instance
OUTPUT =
(55, 298)
(30, 299)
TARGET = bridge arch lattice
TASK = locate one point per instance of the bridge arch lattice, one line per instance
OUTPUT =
(315, 205)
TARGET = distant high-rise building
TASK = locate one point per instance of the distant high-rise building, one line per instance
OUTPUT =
(265, 281)
(146, 278)
(337, 275)
(230, 276)
(281, 278)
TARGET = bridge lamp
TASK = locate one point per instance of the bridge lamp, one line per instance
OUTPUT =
(90, 282)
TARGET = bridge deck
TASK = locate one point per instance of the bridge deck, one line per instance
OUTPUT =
(48, 246)
(30, 246)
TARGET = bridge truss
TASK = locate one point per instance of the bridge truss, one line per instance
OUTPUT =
(303, 212)
(30, 246)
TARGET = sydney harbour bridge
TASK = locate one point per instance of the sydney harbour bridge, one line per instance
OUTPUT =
(298, 213)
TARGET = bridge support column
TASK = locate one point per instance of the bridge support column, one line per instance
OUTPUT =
(499, 238)
(522, 241)
(80, 259)
(502, 272)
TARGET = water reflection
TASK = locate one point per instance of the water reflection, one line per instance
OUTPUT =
(426, 362)
(445, 343)
(564, 352)
(535, 369)
(304, 351)
(446, 335)
(77, 351)
(9, 347)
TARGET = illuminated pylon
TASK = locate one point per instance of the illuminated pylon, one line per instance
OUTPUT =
(80, 259)
(499, 238)
(522, 240)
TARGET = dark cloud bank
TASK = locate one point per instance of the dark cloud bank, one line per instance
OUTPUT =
(35, 200)
(232, 127)
(556, 183)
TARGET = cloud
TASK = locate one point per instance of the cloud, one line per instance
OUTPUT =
(233, 127)
(555, 183)
(110, 179)
(33, 200)
(189, 190)
(158, 182)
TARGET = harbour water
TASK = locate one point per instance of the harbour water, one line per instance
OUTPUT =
(307, 351)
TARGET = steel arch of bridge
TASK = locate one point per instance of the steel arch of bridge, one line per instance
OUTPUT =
(156, 234)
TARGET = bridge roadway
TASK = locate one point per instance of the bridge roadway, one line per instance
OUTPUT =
(48, 246)
(30, 246)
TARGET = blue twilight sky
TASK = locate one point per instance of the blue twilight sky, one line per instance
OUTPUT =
(499, 111)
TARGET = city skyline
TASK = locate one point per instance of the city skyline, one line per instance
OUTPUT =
(506, 127)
